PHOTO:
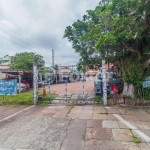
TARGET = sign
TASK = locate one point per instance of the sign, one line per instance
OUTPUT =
(8, 87)
(146, 84)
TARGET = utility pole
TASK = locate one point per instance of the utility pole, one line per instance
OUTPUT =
(35, 82)
(52, 58)
(104, 71)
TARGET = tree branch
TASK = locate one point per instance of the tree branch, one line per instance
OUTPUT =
(132, 50)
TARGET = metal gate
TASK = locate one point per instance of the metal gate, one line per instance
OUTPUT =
(64, 80)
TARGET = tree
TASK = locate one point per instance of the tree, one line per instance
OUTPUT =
(119, 30)
(25, 60)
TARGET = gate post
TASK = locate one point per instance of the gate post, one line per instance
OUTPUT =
(104, 82)
(35, 82)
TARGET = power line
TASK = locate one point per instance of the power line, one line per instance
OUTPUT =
(16, 38)
(20, 35)
(13, 41)
(17, 26)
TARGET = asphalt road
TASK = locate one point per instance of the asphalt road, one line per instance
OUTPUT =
(30, 130)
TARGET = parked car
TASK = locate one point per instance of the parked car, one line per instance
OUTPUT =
(111, 80)
(22, 87)
(40, 83)
(26, 83)
(29, 80)
(82, 78)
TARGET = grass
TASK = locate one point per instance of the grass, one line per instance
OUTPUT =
(135, 139)
(147, 111)
(70, 109)
(25, 98)
(103, 113)
(98, 99)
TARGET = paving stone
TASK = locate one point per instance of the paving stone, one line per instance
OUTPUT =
(102, 134)
(48, 114)
(73, 115)
(100, 116)
(130, 144)
(143, 125)
(85, 116)
(88, 136)
(89, 142)
(87, 111)
(88, 107)
(122, 135)
(23, 149)
(144, 117)
(76, 111)
(112, 110)
(129, 112)
(78, 107)
(111, 117)
(75, 135)
(131, 117)
(112, 145)
(100, 110)
(60, 115)
(134, 148)
(122, 111)
(94, 123)
(122, 125)
(5, 149)
(56, 107)
(93, 147)
(110, 124)
(138, 136)
(144, 146)
(147, 132)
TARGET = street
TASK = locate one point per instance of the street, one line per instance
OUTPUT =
(69, 127)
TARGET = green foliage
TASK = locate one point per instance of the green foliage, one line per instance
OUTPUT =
(25, 60)
(135, 139)
(98, 99)
(119, 30)
(143, 93)
(25, 98)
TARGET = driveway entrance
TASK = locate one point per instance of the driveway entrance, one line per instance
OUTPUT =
(74, 92)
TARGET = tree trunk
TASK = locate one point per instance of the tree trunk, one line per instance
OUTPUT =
(129, 90)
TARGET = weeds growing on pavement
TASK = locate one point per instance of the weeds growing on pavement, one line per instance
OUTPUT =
(98, 99)
(135, 139)
(147, 111)
(70, 109)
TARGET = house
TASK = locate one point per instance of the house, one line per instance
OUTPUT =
(5, 62)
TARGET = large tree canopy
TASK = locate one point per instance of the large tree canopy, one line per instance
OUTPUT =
(119, 30)
(25, 60)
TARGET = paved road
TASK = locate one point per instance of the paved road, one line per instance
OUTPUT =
(73, 87)
(82, 127)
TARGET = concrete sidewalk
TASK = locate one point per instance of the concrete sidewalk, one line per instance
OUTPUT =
(82, 127)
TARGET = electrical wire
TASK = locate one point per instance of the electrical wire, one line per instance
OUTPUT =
(20, 35)
(13, 42)
(15, 24)
(17, 38)
(20, 28)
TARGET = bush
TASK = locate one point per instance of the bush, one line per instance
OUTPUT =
(143, 93)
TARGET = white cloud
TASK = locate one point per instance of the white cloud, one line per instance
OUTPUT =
(43, 22)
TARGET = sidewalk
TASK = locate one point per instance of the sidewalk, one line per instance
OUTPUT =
(85, 127)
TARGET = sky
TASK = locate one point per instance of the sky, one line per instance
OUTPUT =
(38, 26)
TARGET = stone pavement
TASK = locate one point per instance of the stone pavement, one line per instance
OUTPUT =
(83, 127)
(78, 97)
